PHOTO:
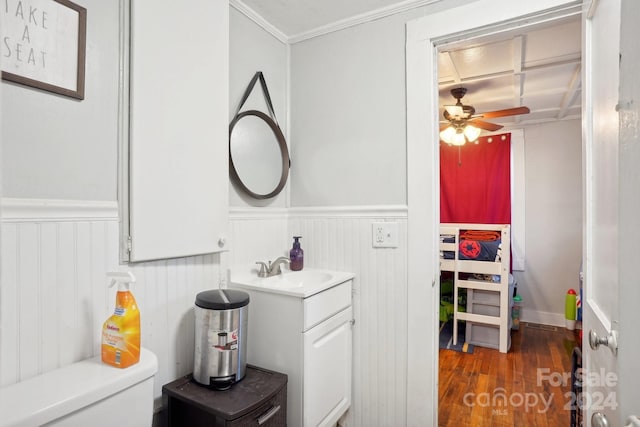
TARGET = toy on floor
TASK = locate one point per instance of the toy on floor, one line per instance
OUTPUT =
(446, 301)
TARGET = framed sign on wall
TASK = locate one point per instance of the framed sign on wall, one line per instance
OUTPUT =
(44, 45)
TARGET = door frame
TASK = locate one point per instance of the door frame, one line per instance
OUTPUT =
(424, 35)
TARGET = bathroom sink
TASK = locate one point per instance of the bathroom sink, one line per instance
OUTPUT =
(302, 283)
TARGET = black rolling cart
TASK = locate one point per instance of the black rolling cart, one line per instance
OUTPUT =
(260, 399)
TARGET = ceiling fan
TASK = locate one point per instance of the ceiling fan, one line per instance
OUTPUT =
(464, 125)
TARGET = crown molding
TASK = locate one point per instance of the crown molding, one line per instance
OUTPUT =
(342, 24)
(259, 20)
(361, 19)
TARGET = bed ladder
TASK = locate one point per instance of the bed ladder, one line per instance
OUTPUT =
(502, 321)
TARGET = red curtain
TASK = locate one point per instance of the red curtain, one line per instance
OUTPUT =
(475, 184)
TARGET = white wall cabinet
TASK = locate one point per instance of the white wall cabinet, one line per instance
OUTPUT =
(310, 340)
(178, 130)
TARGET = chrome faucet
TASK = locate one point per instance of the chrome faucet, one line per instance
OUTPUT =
(273, 268)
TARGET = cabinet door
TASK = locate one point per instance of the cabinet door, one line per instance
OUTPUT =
(327, 370)
(178, 164)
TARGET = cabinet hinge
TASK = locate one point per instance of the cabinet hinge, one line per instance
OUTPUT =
(129, 244)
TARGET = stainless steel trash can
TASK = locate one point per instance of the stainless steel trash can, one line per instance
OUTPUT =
(220, 355)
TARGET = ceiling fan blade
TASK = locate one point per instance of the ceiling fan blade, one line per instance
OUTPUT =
(503, 113)
(485, 125)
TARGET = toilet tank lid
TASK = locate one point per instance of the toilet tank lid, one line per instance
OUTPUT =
(44, 398)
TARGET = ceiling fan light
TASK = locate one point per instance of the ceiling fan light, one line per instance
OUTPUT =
(458, 139)
(471, 132)
(453, 135)
(447, 134)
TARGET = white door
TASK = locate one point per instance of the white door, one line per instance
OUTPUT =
(611, 213)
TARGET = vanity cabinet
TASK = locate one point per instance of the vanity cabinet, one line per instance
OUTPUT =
(310, 340)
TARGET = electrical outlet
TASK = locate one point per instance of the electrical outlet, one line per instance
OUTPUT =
(385, 234)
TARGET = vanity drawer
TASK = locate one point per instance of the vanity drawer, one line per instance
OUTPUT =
(321, 306)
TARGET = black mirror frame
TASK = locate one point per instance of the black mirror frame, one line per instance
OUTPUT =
(286, 162)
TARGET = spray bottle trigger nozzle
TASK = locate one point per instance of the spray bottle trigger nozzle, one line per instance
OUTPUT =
(124, 277)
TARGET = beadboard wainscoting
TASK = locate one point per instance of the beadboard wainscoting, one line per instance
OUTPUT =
(257, 234)
(341, 238)
(54, 296)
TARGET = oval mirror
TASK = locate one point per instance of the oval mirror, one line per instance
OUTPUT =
(258, 155)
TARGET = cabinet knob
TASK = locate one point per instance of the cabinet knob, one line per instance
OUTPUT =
(221, 242)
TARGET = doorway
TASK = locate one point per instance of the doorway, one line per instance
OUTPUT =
(538, 66)
(424, 34)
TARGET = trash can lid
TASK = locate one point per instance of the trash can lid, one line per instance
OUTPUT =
(222, 299)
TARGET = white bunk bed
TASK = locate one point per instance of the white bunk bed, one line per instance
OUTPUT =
(488, 311)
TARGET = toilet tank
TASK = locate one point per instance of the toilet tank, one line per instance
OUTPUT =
(88, 393)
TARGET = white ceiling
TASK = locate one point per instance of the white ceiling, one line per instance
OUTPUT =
(539, 68)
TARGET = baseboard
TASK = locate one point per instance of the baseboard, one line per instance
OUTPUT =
(542, 317)
(159, 414)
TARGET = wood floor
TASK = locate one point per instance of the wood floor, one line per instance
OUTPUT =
(528, 386)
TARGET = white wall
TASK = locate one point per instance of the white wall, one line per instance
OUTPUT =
(348, 116)
(253, 49)
(348, 113)
(56, 147)
(553, 163)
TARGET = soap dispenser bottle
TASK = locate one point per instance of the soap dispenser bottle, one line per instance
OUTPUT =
(296, 255)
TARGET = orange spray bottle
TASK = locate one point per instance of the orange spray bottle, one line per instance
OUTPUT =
(121, 331)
